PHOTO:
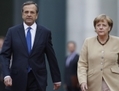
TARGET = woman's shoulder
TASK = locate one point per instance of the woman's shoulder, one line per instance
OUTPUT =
(114, 37)
(114, 40)
(91, 38)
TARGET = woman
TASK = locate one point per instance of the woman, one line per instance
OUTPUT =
(98, 68)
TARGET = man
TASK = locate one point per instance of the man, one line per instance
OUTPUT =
(71, 81)
(28, 43)
(2, 87)
(1, 42)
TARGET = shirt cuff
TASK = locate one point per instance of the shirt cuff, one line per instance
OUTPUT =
(6, 77)
(57, 83)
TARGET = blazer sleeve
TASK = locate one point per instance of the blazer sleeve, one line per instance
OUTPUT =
(83, 64)
(6, 54)
(53, 64)
(74, 65)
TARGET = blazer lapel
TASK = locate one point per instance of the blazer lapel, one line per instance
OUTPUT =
(22, 37)
(37, 37)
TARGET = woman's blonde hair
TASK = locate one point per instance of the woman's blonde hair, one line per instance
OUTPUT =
(103, 17)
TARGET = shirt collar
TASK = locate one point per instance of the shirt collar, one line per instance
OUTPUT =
(33, 26)
(73, 53)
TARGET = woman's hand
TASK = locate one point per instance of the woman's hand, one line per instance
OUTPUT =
(84, 86)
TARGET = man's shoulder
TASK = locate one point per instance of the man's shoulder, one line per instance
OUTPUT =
(77, 56)
(16, 26)
(41, 27)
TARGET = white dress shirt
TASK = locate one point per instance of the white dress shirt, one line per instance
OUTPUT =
(33, 32)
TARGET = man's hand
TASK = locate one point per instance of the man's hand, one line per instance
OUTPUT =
(56, 86)
(8, 81)
(84, 86)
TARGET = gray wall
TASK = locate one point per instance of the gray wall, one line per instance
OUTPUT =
(6, 16)
(109, 7)
(52, 15)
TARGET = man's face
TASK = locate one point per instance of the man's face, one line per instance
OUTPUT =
(29, 14)
(1, 43)
(71, 47)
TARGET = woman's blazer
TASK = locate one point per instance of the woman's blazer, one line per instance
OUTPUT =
(99, 62)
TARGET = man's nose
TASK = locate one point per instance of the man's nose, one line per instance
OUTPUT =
(29, 14)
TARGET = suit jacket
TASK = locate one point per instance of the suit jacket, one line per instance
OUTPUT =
(99, 61)
(15, 45)
(71, 71)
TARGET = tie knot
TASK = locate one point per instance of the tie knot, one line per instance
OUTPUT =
(29, 28)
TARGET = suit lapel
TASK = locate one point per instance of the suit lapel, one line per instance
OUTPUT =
(21, 33)
(37, 37)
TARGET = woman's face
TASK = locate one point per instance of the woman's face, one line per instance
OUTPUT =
(102, 28)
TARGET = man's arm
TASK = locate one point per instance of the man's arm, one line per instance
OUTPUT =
(55, 72)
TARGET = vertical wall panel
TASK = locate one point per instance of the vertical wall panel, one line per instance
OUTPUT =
(52, 15)
(110, 7)
(6, 16)
(79, 20)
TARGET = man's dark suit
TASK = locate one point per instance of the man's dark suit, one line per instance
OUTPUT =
(71, 80)
(15, 44)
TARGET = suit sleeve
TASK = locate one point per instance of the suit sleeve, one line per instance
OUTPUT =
(6, 54)
(83, 64)
(53, 64)
(74, 65)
